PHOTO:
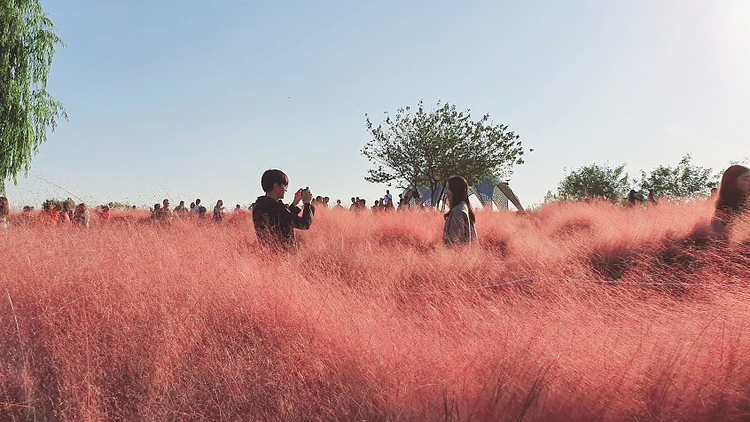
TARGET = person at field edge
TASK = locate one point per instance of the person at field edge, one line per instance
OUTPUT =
(632, 198)
(166, 211)
(180, 209)
(82, 216)
(49, 214)
(732, 199)
(273, 220)
(219, 211)
(4, 213)
(388, 198)
(64, 219)
(459, 221)
(103, 212)
(197, 207)
(338, 205)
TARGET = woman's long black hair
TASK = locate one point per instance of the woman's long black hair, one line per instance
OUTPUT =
(460, 190)
(731, 198)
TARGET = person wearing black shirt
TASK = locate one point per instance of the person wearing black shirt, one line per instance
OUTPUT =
(273, 220)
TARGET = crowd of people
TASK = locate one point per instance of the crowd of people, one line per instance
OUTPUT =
(275, 221)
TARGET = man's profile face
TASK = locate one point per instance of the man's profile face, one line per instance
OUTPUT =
(279, 190)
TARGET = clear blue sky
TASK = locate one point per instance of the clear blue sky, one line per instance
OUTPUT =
(196, 98)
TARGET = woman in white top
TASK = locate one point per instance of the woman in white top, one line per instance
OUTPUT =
(459, 221)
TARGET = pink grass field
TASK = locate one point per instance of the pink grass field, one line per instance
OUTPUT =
(576, 312)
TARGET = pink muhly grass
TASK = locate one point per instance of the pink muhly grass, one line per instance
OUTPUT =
(573, 312)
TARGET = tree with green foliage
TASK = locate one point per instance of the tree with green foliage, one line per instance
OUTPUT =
(27, 110)
(594, 181)
(682, 181)
(417, 147)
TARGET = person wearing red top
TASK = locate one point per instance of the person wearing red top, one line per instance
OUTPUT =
(49, 215)
(103, 212)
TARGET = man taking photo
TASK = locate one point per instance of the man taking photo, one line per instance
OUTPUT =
(274, 221)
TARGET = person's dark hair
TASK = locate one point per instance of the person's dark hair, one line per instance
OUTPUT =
(4, 206)
(460, 193)
(730, 196)
(270, 177)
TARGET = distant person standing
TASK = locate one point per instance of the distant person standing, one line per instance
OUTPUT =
(103, 212)
(82, 216)
(166, 211)
(64, 220)
(732, 199)
(459, 221)
(180, 209)
(652, 197)
(50, 214)
(632, 198)
(388, 198)
(156, 212)
(338, 205)
(219, 211)
(4, 213)
(354, 204)
(237, 208)
(197, 207)
(273, 220)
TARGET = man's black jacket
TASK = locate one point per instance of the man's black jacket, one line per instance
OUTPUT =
(275, 222)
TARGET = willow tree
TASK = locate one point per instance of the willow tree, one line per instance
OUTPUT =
(419, 147)
(27, 110)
